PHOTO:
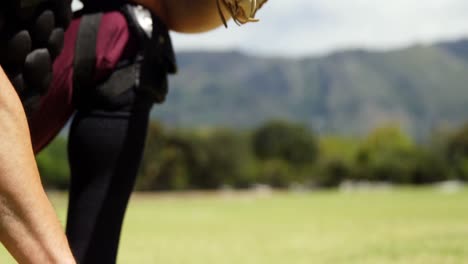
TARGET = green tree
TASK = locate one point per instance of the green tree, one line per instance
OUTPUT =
(457, 152)
(285, 141)
(195, 160)
(388, 154)
(221, 157)
(385, 155)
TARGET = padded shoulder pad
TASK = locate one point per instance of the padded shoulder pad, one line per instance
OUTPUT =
(31, 36)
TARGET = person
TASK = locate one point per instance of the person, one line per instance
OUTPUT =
(108, 130)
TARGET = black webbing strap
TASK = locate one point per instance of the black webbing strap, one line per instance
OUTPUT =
(84, 63)
(162, 45)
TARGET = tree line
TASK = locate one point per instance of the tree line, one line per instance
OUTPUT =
(281, 154)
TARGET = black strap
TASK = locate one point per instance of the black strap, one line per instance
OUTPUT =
(84, 63)
(162, 44)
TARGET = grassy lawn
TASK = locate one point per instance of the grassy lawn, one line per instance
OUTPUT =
(397, 226)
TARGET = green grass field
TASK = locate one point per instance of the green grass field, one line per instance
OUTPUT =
(403, 225)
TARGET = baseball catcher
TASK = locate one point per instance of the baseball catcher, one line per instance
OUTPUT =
(114, 65)
(113, 101)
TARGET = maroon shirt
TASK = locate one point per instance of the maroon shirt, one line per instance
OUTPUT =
(56, 107)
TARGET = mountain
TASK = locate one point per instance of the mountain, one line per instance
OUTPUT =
(348, 92)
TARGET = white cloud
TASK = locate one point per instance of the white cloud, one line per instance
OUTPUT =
(297, 27)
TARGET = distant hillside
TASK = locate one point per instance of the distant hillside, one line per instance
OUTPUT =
(349, 92)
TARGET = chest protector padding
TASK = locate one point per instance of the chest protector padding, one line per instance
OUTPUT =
(31, 37)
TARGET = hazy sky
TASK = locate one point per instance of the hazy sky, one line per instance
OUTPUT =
(302, 27)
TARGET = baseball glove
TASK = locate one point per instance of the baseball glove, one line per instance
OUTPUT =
(242, 11)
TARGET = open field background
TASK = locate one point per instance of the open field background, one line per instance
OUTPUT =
(403, 225)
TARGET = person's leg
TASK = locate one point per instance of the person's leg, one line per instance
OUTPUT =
(105, 150)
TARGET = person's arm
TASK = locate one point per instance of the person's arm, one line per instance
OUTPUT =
(188, 16)
(29, 227)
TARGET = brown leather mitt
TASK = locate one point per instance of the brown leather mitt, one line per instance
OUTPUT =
(242, 11)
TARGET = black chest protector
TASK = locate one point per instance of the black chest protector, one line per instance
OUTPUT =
(145, 71)
(31, 36)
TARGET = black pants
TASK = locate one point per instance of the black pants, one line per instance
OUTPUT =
(105, 150)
